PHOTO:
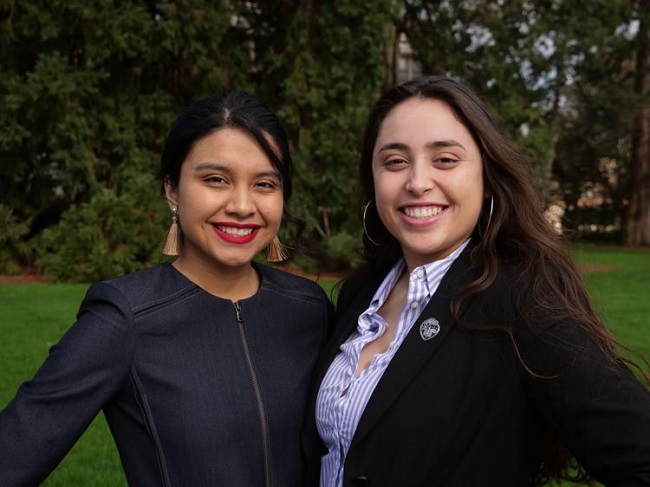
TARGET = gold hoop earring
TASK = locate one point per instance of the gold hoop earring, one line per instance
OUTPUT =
(487, 226)
(275, 251)
(365, 230)
(172, 243)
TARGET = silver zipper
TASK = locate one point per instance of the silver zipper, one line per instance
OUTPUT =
(258, 396)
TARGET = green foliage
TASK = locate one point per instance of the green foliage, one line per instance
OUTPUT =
(528, 60)
(326, 63)
(13, 248)
(594, 147)
(344, 248)
(88, 91)
(115, 234)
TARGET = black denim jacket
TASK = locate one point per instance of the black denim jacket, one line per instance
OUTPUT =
(197, 390)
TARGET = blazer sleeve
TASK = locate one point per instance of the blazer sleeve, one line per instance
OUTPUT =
(600, 410)
(80, 374)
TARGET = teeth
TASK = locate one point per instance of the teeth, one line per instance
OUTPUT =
(426, 212)
(236, 232)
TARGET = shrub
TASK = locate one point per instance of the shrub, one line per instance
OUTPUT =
(109, 236)
(344, 250)
(14, 249)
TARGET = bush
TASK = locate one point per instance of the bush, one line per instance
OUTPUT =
(109, 236)
(14, 250)
(344, 250)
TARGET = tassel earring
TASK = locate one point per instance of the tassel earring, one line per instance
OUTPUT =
(275, 251)
(172, 245)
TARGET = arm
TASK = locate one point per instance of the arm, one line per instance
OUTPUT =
(600, 410)
(81, 373)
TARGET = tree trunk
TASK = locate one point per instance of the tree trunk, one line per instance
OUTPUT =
(636, 231)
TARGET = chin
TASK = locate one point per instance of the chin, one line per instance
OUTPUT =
(233, 261)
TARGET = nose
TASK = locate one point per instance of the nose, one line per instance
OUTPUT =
(240, 202)
(420, 179)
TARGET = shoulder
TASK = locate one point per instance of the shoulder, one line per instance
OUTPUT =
(162, 277)
(144, 289)
(361, 286)
(506, 288)
(290, 286)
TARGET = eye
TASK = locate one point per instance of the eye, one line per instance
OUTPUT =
(395, 163)
(445, 161)
(268, 184)
(215, 180)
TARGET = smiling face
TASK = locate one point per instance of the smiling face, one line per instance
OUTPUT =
(428, 179)
(229, 200)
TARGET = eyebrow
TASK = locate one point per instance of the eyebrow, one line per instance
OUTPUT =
(209, 166)
(213, 166)
(437, 144)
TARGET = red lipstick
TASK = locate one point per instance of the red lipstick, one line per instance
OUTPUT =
(244, 233)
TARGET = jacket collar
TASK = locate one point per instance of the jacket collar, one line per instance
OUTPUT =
(414, 352)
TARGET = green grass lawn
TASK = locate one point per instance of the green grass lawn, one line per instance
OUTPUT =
(34, 316)
(621, 292)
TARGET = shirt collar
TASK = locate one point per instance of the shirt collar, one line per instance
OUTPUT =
(433, 271)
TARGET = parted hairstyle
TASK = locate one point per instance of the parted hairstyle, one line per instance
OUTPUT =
(230, 109)
(516, 235)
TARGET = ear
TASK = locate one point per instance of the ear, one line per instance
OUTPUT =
(171, 192)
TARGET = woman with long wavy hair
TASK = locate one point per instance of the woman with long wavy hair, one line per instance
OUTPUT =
(466, 351)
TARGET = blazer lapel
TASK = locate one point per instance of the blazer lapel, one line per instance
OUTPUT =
(415, 351)
(346, 324)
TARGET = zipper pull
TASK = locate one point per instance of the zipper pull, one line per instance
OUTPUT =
(238, 312)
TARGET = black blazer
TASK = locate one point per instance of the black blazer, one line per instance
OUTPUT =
(459, 409)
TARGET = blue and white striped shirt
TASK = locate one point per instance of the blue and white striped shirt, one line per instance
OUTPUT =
(343, 395)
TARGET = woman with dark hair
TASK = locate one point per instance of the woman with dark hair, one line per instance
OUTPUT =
(466, 352)
(201, 366)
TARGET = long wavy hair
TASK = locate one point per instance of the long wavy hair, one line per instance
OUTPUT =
(511, 230)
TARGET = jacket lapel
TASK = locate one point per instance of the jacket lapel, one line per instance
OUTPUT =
(346, 324)
(415, 351)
